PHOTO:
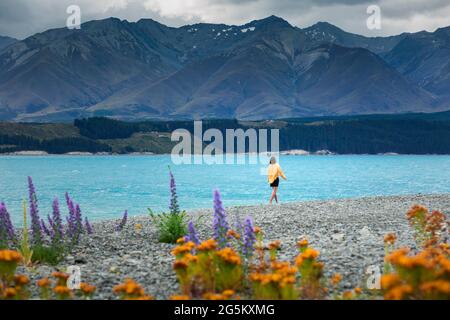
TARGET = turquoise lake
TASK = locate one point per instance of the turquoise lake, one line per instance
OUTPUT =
(105, 186)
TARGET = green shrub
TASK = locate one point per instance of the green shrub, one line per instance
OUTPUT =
(171, 226)
(48, 254)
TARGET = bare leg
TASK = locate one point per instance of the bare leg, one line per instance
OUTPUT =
(275, 192)
(273, 195)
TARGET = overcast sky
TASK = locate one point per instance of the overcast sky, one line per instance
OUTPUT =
(22, 18)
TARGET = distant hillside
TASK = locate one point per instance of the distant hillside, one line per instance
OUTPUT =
(404, 134)
(265, 69)
(6, 41)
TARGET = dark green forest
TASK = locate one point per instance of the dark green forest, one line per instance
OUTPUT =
(373, 134)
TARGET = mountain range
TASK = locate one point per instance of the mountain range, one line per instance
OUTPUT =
(265, 69)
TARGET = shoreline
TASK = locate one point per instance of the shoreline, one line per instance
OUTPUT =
(287, 153)
(347, 232)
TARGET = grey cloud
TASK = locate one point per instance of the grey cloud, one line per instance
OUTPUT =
(21, 18)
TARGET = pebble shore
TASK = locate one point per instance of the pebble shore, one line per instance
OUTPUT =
(348, 233)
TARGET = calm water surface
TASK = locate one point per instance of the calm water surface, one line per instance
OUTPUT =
(105, 186)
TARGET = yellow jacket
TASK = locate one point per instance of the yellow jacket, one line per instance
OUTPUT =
(274, 171)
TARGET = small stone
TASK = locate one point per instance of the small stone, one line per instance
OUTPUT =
(114, 269)
(338, 237)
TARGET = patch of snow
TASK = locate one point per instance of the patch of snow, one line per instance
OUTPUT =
(248, 29)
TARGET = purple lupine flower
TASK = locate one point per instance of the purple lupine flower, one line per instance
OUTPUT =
(56, 222)
(36, 227)
(5, 224)
(78, 219)
(123, 222)
(87, 226)
(45, 229)
(50, 222)
(238, 227)
(71, 225)
(192, 234)
(173, 206)
(249, 238)
(220, 223)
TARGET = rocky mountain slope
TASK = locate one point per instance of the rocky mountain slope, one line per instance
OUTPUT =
(261, 70)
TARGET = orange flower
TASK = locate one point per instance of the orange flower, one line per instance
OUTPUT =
(336, 279)
(274, 245)
(21, 280)
(180, 297)
(396, 255)
(389, 280)
(310, 254)
(60, 275)
(228, 293)
(229, 255)
(145, 297)
(398, 292)
(10, 256)
(416, 210)
(358, 291)
(62, 291)
(180, 265)
(87, 289)
(43, 283)
(181, 240)
(440, 286)
(233, 234)
(303, 243)
(183, 249)
(213, 296)
(390, 238)
(9, 293)
(347, 295)
(257, 230)
(129, 288)
(207, 245)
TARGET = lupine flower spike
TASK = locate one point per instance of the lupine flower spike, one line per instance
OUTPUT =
(220, 223)
(36, 227)
(192, 234)
(123, 222)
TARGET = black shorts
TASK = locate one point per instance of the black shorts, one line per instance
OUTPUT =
(275, 183)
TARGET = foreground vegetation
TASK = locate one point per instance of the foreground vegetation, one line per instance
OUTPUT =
(237, 262)
(371, 134)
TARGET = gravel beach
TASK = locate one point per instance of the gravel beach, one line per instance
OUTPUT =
(348, 233)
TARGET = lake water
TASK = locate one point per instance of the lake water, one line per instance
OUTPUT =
(105, 186)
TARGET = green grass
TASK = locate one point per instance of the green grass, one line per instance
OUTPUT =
(39, 130)
(48, 254)
(171, 226)
(142, 142)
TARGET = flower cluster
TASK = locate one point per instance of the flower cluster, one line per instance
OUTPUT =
(427, 226)
(174, 208)
(50, 238)
(131, 290)
(278, 281)
(205, 268)
(220, 223)
(36, 225)
(16, 286)
(7, 233)
(425, 275)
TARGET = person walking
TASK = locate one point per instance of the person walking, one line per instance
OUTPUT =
(273, 175)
